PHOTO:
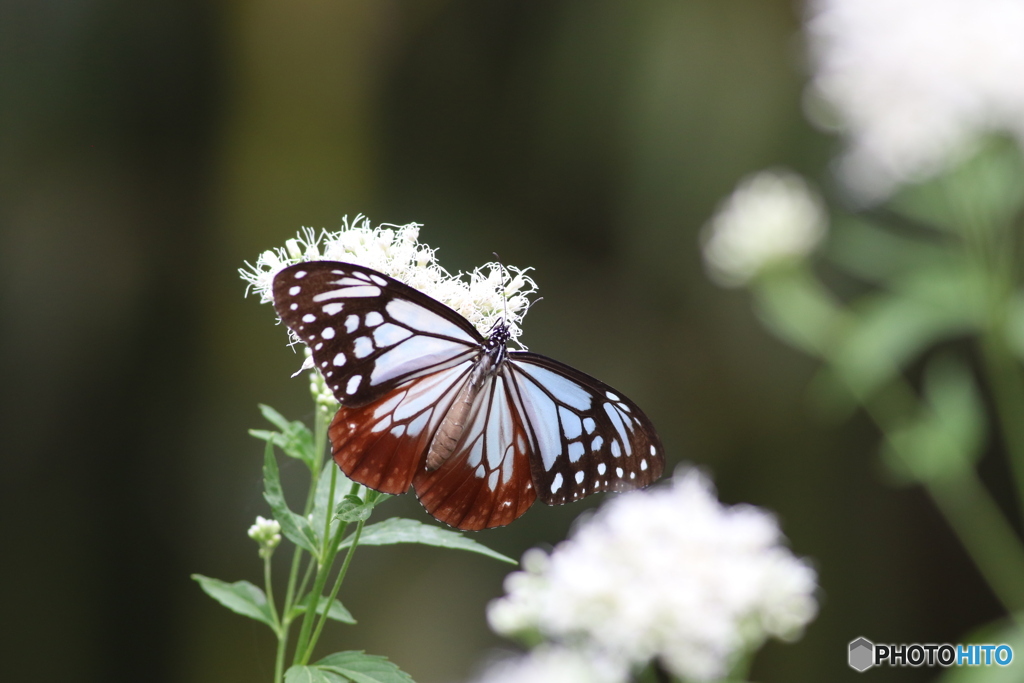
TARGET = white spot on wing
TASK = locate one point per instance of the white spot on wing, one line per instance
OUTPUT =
(373, 318)
(299, 274)
(351, 323)
(612, 396)
(308, 318)
(339, 360)
(378, 279)
(643, 465)
(363, 347)
(589, 424)
(557, 483)
(353, 384)
(350, 292)
(328, 333)
(596, 444)
(492, 480)
(616, 451)
(653, 450)
(601, 467)
(332, 309)
(576, 450)
(618, 471)
(572, 427)
(579, 477)
(294, 290)
(294, 307)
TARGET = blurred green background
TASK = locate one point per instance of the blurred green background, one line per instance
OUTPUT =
(148, 148)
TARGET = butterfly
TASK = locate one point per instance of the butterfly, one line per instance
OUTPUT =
(478, 430)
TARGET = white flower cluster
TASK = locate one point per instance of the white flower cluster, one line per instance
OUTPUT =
(667, 574)
(555, 665)
(915, 81)
(266, 532)
(487, 294)
(773, 216)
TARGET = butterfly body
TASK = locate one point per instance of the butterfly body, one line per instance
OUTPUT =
(453, 425)
(477, 430)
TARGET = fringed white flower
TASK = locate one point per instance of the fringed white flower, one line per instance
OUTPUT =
(667, 574)
(485, 295)
(913, 82)
(555, 665)
(771, 217)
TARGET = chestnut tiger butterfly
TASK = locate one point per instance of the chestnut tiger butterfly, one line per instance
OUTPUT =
(478, 431)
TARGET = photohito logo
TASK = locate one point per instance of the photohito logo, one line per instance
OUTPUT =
(864, 654)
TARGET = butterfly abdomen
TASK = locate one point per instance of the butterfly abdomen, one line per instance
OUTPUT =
(450, 431)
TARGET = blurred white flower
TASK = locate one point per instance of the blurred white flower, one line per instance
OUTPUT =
(772, 216)
(667, 573)
(554, 665)
(487, 294)
(266, 532)
(914, 82)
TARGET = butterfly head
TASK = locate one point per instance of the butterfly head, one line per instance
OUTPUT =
(498, 337)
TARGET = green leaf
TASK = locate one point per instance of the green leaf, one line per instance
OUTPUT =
(310, 674)
(353, 509)
(295, 527)
(338, 612)
(798, 309)
(891, 329)
(241, 597)
(948, 434)
(983, 192)
(1004, 631)
(875, 254)
(398, 530)
(363, 668)
(295, 439)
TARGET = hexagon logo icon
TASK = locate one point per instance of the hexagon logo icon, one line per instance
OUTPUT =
(862, 654)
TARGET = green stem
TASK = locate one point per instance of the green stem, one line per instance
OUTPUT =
(989, 539)
(329, 513)
(966, 504)
(1004, 375)
(269, 588)
(337, 586)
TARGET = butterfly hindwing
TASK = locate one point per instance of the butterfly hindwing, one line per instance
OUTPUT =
(587, 437)
(368, 332)
(486, 481)
(382, 444)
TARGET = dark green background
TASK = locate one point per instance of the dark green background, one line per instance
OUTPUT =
(148, 148)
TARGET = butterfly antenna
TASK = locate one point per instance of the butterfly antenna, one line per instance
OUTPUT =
(504, 298)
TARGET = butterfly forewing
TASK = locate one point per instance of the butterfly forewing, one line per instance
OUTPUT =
(369, 333)
(397, 359)
(588, 437)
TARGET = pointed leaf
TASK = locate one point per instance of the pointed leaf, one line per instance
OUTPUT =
(338, 612)
(398, 530)
(948, 434)
(353, 509)
(295, 439)
(295, 527)
(310, 674)
(241, 597)
(891, 329)
(363, 668)
(321, 506)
